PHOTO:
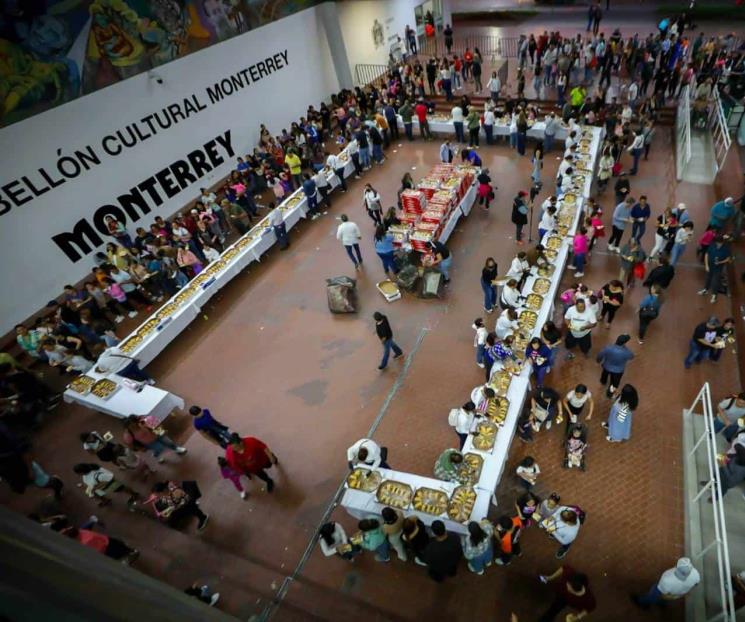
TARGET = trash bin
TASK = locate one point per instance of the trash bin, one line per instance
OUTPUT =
(341, 292)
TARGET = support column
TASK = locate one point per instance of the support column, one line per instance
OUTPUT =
(330, 20)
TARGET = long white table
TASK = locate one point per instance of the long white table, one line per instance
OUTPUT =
(149, 401)
(362, 504)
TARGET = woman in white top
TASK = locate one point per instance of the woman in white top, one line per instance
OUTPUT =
(100, 484)
(462, 420)
(510, 298)
(489, 120)
(372, 204)
(479, 340)
(513, 130)
(506, 323)
(334, 541)
(605, 169)
(575, 402)
(494, 85)
(519, 266)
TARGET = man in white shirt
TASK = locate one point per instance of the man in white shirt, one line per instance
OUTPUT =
(506, 323)
(457, 114)
(579, 321)
(115, 361)
(348, 233)
(462, 420)
(549, 131)
(336, 165)
(323, 186)
(367, 453)
(674, 583)
(519, 266)
(564, 529)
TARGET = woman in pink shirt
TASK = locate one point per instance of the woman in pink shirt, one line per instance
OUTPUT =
(580, 246)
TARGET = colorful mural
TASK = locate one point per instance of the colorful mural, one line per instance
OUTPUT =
(52, 51)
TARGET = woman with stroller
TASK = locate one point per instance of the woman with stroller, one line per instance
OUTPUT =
(575, 402)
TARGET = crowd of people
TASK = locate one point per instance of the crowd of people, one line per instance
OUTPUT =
(141, 268)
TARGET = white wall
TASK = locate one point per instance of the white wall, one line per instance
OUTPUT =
(34, 266)
(357, 19)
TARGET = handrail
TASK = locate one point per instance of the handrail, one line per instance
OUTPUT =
(714, 487)
(719, 130)
(683, 132)
(488, 45)
(367, 73)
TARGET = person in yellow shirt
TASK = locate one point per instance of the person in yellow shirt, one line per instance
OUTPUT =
(382, 123)
(293, 162)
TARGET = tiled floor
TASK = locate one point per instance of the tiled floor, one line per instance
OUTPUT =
(270, 360)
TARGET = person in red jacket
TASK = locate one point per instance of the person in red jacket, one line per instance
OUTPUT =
(250, 456)
(421, 113)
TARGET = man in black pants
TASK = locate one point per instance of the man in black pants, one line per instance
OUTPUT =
(443, 552)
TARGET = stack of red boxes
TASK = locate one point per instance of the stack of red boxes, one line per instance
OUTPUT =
(427, 209)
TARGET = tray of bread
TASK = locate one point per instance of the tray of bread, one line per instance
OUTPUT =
(364, 479)
(292, 201)
(578, 179)
(541, 286)
(500, 381)
(569, 198)
(470, 470)
(545, 271)
(82, 384)
(527, 319)
(461, 504)
(396, 494)
(130, 344)
(485, 435)
(497, 411)
(167, 310)
(245, 241)
(148, 327)
(520, 340)
(553, 243)
(104, 388)
(562, 229)
(183, 296)
(551, 254)
(230, 253)
(534, 302)
(430, 501)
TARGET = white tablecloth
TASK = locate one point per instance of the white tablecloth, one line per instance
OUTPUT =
(149, 401)
(439, 125)
(463, 209)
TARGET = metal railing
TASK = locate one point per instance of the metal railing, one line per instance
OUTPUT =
(713, 486)
(489, 46)
(683, 133)
(368, 73)
(719, 131)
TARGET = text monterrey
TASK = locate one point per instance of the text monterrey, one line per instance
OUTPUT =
(152, 192)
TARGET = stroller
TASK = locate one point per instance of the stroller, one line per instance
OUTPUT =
(576, 446)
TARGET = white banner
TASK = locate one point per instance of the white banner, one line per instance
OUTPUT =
(143, 148)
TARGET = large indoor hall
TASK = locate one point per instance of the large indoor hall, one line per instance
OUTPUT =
(373, 309)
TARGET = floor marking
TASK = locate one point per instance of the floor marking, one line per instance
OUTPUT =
(276, 602)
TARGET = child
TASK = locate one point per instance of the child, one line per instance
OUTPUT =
(598, 228)
(507, 536)
(479, 340)
(580, 247)
(576, 446)
(234, 476)
(528, 472)
(113, 289)
(210, 253)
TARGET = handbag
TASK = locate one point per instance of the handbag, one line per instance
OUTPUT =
(648, 313)
(639, 270)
